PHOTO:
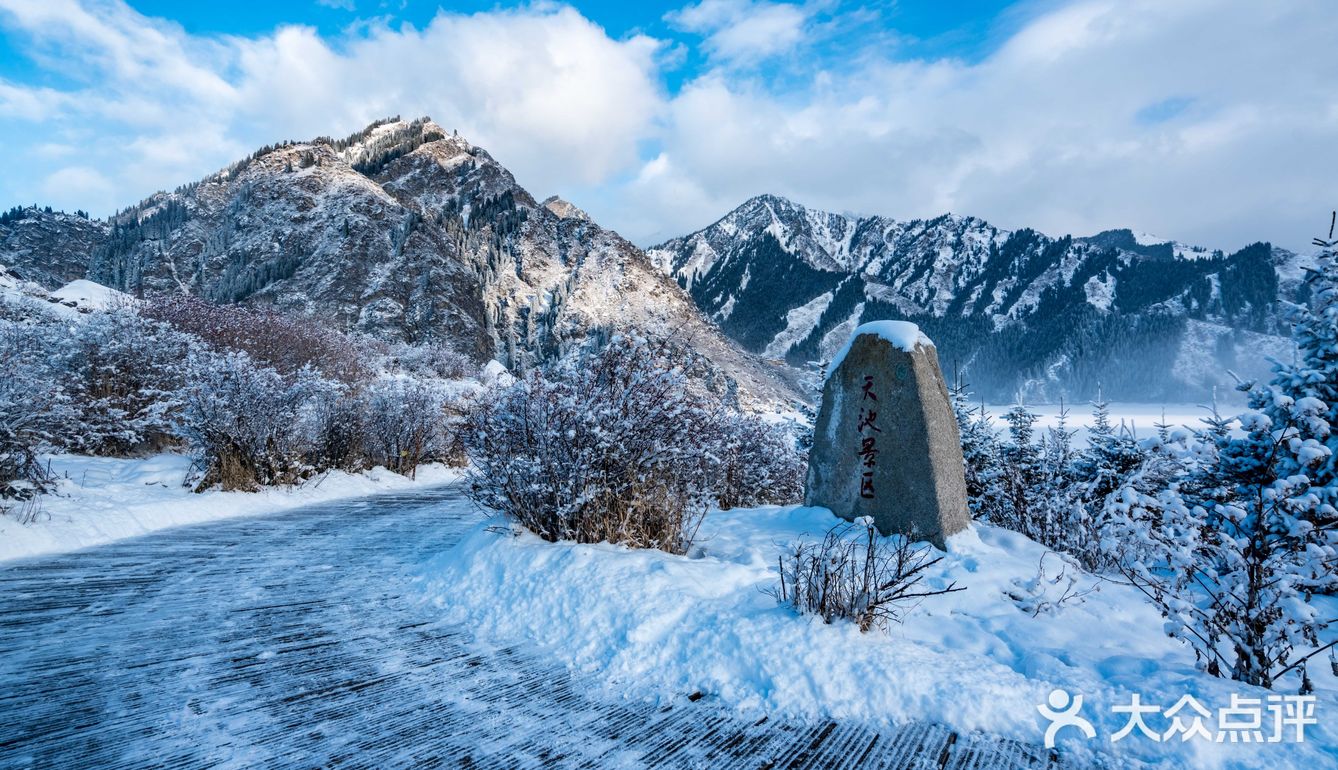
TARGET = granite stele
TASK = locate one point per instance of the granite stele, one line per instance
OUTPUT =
(886, 443)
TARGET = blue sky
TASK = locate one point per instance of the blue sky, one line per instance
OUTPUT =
(1210, 121)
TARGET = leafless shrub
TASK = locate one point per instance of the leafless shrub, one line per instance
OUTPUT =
(759, 463)
(121, 374)
(281, 342)
(243, 419)
(1054, 587)
(424, 360)
(857, 576)
(616, 447)
(28, 396)
(405, 424)
(335, 424)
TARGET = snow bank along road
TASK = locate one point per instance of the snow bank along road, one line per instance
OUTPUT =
(298, 641)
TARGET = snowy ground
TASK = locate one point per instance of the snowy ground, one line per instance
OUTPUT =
(974, 660)
(1141, 418)
(102, 499)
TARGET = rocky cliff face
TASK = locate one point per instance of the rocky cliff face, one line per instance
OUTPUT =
(1014, 312)
(49, 248)
(403, 230)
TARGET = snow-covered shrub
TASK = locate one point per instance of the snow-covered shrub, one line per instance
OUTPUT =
(122, 374)
(759, 463)
(1055, 586)
(281, 342)
(405, 423)
(428, 360)
(334, 426)
(244, 420)
(29, 396)
(613, 447)
(856, 575)
(457, 409)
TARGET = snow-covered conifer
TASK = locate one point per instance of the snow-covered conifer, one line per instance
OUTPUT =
(980, 453)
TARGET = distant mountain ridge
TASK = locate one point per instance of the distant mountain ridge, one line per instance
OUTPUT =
(1017, 313)
(402, 230)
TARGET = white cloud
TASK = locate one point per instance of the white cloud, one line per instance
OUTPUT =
(744, 31)
(1050, 131)
(1212, 121)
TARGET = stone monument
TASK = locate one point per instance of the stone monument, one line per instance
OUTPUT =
(886, 443)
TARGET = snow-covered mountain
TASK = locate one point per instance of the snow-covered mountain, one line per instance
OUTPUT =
(403, 230)
(1015, 312)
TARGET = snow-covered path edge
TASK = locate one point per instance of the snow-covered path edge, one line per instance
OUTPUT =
(100, 500)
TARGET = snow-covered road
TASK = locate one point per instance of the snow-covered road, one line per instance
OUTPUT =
(298, 641)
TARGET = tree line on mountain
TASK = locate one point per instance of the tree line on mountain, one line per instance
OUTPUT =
(20, 213)
(1063, 346)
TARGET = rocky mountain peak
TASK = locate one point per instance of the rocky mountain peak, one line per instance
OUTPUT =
(402, 230)
(564, 209)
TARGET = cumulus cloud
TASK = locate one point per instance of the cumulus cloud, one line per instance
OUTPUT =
(1211, 121)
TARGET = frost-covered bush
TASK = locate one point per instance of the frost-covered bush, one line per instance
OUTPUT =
(615, 447)
(429, 360)
(29, 397)
(856, 575)
(334, 427)
(122, 374)
(758, 463)
(244, 419)
(405, 423)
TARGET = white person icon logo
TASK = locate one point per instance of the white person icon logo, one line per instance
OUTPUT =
(1062, 712)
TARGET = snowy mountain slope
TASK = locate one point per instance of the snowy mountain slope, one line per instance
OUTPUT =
(1012, 310)
(406, 231)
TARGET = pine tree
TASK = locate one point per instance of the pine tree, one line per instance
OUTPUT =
(1314, 373)
(1020, 473)
(980, 450)
(1112, 454)
(1064, 522)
